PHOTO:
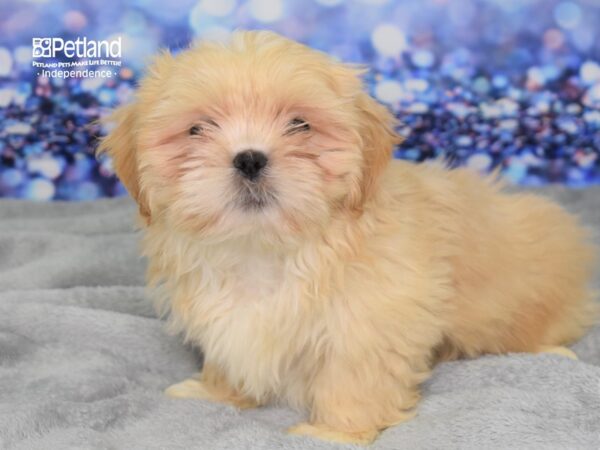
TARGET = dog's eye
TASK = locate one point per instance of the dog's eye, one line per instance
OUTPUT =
(196, 130)
(207, 125)
(297, 125)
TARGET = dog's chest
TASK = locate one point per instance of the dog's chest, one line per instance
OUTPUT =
(254, 277)
(248, 319)
(238, 288)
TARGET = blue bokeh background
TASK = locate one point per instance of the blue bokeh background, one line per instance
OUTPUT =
(482, 83)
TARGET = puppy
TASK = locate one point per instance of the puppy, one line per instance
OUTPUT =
(311, 269)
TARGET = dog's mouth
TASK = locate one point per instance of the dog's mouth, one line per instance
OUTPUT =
(253, 196)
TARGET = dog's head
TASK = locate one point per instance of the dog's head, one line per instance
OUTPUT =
(261, 133)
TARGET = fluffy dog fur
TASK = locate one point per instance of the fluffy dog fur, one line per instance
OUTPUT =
(336, 280)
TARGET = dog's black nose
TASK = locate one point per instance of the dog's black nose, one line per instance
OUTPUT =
(250, 163)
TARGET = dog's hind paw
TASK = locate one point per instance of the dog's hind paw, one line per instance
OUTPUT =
(557, 350)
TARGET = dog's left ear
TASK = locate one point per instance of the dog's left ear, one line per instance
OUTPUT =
(378, 138)
(121, 145)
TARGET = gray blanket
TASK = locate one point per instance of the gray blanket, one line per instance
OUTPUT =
(84, 361)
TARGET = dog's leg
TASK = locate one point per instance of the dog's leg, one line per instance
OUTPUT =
(211, 385)
(353, 403)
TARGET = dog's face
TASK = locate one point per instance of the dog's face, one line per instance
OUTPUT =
(258, 135)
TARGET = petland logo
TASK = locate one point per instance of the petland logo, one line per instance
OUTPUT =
(79, 48)
(103, 53)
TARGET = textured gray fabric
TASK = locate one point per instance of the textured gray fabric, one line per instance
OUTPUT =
(83, 361)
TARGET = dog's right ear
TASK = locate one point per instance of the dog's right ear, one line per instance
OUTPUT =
(121, 145)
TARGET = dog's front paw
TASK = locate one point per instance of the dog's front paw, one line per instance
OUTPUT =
(190, 388)
(196, 388)
(329, 434)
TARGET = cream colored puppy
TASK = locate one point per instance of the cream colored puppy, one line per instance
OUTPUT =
(310, 268)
